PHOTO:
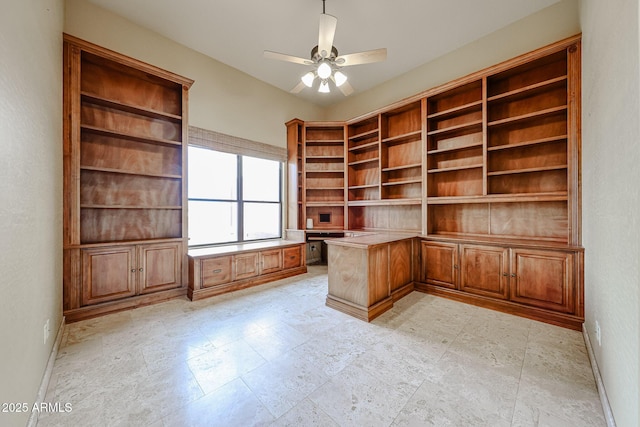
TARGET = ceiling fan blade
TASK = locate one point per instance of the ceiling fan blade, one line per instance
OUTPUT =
(346, 88)
(298, 88)
(327, 30)
(288, 58)
(367, 57)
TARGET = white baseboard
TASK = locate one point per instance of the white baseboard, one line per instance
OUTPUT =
(606, 407)
(44, 385)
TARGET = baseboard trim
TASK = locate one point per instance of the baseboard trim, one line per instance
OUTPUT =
(604, 400)
(44, 384)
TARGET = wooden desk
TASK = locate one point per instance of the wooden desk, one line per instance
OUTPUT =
(368, 273)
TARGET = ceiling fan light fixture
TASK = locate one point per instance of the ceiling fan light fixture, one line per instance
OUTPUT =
(324, 71)
(339, 78)
(308, 79)
(324, 87)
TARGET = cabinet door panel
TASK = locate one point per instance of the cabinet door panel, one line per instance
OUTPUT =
(291, 257)
(160, 267)
(483, 269)
(270, 261)
(108, 274)
(215, 271)
(245, 265)
(543, 279)
(439, 264)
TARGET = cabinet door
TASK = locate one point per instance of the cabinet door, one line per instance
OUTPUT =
(270, 261)
(108, 274)
(215, 271)
(543, 279)
(291, 257)
(399, 264)
(440, 264)
(245, 265)
(484, 270)
(159, 267)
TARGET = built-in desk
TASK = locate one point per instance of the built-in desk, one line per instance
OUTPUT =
(222, 269)
(368, 273)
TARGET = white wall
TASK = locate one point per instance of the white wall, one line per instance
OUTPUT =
(30, 195)
(222, 98)
(611, 202)
(550, 25)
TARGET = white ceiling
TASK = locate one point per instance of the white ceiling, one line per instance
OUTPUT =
(236, 32)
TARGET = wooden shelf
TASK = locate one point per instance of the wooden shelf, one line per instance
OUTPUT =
(527, 170)
(528, 90)
(135, 109)
(325, 188)
(456, 168)
(407, 137)
(455, 111)
(556, 196)
(529, 143)
(364, 135)
(362, 162)
(359, 187)
(131, 137)
(129, 172)
(449, 150)
(88, 206)
(326, 157)
(458, 128)
(386, 202)
(397, 168)
(325, 171)
(323, 204)
(406, 182)
(363, 147)
(324, 141)
(537, 114)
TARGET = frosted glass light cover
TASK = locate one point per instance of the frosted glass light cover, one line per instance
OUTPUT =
(324, 71)
(308, 78)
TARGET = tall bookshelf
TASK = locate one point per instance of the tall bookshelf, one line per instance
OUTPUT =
(124, 166)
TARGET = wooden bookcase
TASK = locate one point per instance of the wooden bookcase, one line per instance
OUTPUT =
(324, 175)
(124, 188)
(295, 177)
(486, 171)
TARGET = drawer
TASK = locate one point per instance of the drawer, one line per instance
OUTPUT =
(291, 257)
(215, 271)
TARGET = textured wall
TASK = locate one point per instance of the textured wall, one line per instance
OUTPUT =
(222, 99)
(30, 195)
(610, 197)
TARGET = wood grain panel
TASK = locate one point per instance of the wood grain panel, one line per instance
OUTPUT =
(466, 182)
(439, 263)
(528, 130)
(105, 188)
(111, 225)
(291, 257)
(401, 154)
(270, 261)
(525, 105)
(215, 271)
(484, 270)
(529, 182)
(245, 265)
(120, 154)
(456, 97)
(536, 156)
(108, 274)
(465, 219)
(401, 121)
(540, 220)
(532, 72)
(159, 267)
(348, 275)
(400, 264)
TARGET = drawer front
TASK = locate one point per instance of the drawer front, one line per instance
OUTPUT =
(291, 257)
(215, 271)
(270, 261)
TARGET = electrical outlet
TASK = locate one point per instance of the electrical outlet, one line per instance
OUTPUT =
(598, 334)
(46, 331)
(313, 247)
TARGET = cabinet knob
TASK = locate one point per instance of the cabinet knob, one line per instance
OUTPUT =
(133, 270)
(141, 270)
(456, 266)
(513, 274)
(219, 270)
(505, 274)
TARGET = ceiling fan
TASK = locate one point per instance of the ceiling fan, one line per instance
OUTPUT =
(326, 61)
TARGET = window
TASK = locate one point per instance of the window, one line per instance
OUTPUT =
(233, 198)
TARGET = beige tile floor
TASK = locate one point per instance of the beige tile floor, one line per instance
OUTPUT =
(276, 355)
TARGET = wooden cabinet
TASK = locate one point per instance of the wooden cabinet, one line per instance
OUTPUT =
(125, 132)
(112, 273)
(543, 283)
(368, 273)
(543, 279)
(440, 264)
(218, 270)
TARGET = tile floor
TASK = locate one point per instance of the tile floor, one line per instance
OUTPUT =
(276, 355)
